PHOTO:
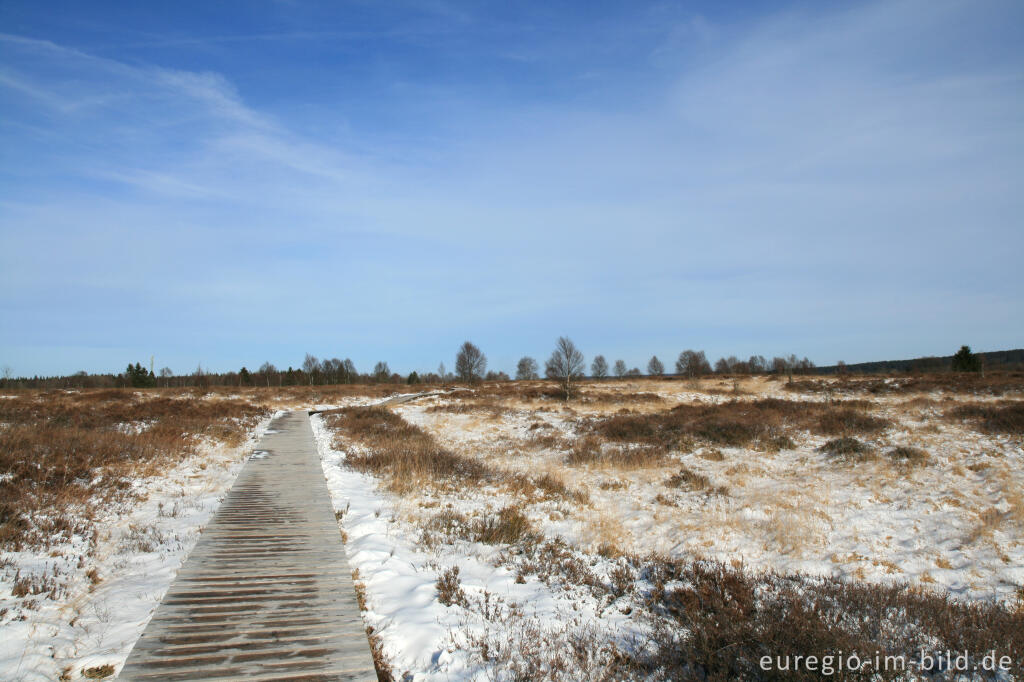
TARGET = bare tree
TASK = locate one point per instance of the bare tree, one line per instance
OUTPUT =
(565, 365)
(757, 364)
(692, 364)
(654, 367)
(526, 369)
(722, 366)
(381, 372)
(470, 363)
(620, 368)
(268, 371)
(350, 371)
(166, 373)
(599, 367)
(441, 373)
(310, 366)
(200, 378)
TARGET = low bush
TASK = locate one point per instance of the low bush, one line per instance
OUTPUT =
(449, 589)
(508, 527)
(737, 423)
(847, 448)
(694, 482)
(846, 420)
(1003, 417)
(907, 456)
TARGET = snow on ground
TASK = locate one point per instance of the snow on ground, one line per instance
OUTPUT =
(947, 524)
(105, 590)
(954, 523)
(422, 638)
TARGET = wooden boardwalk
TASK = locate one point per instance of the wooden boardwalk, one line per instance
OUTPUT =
(267, 593)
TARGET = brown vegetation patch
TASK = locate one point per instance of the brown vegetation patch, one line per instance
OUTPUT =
(449, 588)
(736, 423)
(489, 406)
(404, 453)
(907, 456)
(711, 621)
(846, 420)
(695, 482)
(63, 455)
(615, 398)
(409, 458)
(731, 619)
(848, 449)
(509, 526)
(590, 450)
(1001, 417)
(996, 384)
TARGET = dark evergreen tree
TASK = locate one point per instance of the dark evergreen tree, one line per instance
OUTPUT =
(966, 361)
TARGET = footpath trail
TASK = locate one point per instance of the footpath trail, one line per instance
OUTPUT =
(267, 593)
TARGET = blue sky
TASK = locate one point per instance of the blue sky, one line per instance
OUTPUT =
(235, 182)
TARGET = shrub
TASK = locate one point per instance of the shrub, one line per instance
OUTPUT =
(508, 527)
(449, 589)
(847, 448)
(694, 482)
(1005, 417)
(908, 456)
(844, 420)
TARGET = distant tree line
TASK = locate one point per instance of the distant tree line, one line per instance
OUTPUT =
(566, 366)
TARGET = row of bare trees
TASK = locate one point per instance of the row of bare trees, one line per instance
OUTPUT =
(565, 365)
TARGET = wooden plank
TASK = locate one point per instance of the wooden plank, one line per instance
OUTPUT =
(267, 592)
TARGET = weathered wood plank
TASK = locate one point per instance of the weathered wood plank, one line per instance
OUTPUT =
(267, 592)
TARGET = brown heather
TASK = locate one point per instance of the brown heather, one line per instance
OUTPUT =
(737, 423)
(64, 454)
(409, 458)
(1003, 417)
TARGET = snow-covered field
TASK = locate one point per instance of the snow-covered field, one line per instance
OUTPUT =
(422, 638)
(98, 593)
(954, 524)
(597, 546)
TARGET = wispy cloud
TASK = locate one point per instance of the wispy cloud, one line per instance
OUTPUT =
(794, 182)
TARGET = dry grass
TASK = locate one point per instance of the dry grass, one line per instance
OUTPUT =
(614, 397)
(64, 454)
(731, 618)
(509, 526)
(381, 664)
(999, 383)
(491, 407)
(711, 621)
(449, 589)
(98, 672)
(848, 420)
(1002, 417)
(695, 482)
(907, 456)
(848, 449)
(589, 450)
(737, 423)
(410, 459)
(403, 453)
